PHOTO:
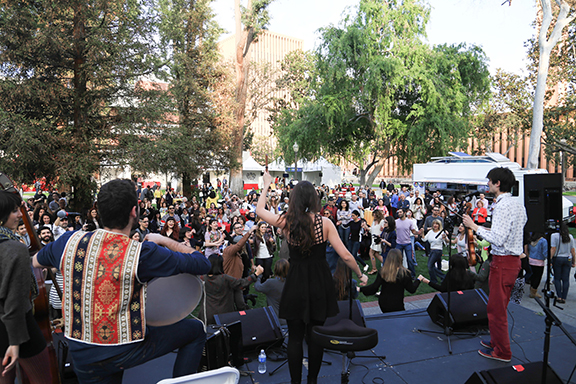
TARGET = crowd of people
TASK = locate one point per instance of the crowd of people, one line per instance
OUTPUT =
(319, 233)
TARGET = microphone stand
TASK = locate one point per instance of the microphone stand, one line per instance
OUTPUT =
(448, 331)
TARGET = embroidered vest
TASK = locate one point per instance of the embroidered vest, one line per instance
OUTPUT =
(103, 301)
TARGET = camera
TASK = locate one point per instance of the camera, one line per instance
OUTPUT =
(377, 239)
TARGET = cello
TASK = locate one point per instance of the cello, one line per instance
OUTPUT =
(471, 244)
(40, 303)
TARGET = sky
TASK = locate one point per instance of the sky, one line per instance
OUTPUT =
(501, 30)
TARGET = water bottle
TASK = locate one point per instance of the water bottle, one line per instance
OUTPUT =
(262, 362)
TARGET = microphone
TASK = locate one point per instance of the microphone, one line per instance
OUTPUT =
(476, 193)
(62, 214)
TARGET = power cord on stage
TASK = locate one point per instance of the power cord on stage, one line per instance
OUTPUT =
(512, 338)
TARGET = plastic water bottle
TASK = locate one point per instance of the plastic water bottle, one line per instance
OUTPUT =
(262, 362)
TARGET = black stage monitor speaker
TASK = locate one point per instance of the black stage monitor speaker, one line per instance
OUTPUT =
(344, 307)
(260, 326)
(467, 308)
(522, 373)
(543, 201)
(223, 347)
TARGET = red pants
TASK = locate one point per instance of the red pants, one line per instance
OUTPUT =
(503, 273)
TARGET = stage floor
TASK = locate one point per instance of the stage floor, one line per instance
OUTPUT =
(411, 356)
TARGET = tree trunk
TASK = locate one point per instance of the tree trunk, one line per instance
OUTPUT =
(186, 189)
(242, 64)
(546, 46)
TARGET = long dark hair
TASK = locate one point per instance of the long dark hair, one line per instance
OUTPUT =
(391, 223)
(299, 224)
(341, 280)
(564, 232)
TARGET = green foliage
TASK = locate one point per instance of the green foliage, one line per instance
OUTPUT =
(192, 137)
(68, 90)
(378, 91)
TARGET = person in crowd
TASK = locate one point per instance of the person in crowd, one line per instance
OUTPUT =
(107, 347)
(343, 219)
(171, 229)
(354, 243)
(39, 211)
(537, 256)
(392, 280)
(381, 207)
(264, 248)
(481, 278)
(171, 213)
(22, 233)
(21, 340)
(46, 221)
(143, 224)
(45, 235)
(419, 211)
(410, 216)
(92, 220)
(563, 253)
(403, 203)
(394, 202)
(213, 239)
(436, 238)
(222, 217)
(341, 278)
(376, 243)
(480, 213)
(458, 278)
(403, 229)
(212, 211)
(273, 287)
(308, 297)
(187, 237)
(428, 225)
(135, 235)
(219, 289)
(484, 200)
(388, 237)
(506, 238)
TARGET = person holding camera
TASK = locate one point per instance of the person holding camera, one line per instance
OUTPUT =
(376, 246)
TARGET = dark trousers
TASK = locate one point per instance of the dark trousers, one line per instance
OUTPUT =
(186, 335)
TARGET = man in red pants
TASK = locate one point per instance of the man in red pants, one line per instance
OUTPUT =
(505, 236)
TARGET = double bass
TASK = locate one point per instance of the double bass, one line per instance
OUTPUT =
(471, 244)
(40, 304)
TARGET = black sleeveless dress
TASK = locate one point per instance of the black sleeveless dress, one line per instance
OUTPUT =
(309, 292)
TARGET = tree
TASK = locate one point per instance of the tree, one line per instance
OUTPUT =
(379, 91)
(67, 87)
(193, 136)
(249, 22)
(546, 41)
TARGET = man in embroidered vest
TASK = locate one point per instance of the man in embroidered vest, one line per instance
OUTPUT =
(104, 297)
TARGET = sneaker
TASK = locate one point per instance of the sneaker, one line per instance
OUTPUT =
(489, 354)
(486, 344)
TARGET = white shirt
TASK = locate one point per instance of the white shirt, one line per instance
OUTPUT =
(508, 220)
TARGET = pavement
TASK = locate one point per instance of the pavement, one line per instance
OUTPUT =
(566, 313)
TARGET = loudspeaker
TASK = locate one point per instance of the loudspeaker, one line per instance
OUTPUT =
(467, 308)
(522, 373)
(344, 308)
(260, 326)
(223, 347)
(543, 201)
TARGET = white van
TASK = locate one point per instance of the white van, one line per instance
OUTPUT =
(462, 174)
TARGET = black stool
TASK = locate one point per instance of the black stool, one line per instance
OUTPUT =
(346, 337)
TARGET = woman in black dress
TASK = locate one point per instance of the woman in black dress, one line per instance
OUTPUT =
(394, 279)
(308, 297)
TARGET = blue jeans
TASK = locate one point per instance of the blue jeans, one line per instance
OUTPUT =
(187, 336)
(407, 248)
(355, 245)
(562, 266)
(331, 258)
(344, 236)
(433, 270)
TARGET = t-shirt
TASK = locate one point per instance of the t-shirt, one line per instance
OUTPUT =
(565, 249)
(403, 230)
